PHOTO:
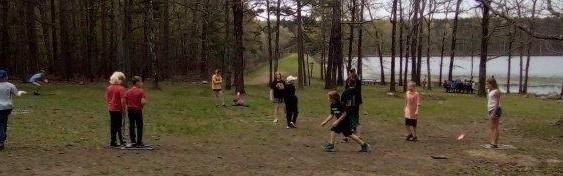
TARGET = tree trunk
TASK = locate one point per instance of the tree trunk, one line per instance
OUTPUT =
(454, 40)
(431, 8)
(351, 37)
(91, 40)
(149, 38)
(521, 70)
(32, 46)
(442, 49)
(203, 65)
(65, 39)
(125, 64)
(300, 47)
(165, 40)
(401, 49)
(45, 27)
(227, 65)
(382, 71)
(4, 35)
(414, 39)
(529, 53)
(359, 66)
(277, 49)
(393, 45)
(335, 46)
(238, 14)
(269, 30)
(104, 54)
(420, 40)
(510, 43)
(484, 48)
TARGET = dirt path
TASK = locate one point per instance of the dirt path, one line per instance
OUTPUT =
(271, 149)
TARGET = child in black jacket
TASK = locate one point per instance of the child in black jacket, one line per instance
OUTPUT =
(291, 102)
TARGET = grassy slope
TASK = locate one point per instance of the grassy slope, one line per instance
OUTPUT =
(75, 117)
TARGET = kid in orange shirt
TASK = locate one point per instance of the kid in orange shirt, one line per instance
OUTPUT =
(412, 104)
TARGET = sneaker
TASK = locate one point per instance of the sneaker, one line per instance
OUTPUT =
(365, 147)
(414, 139)
(346, 140)
(113, 146)
(139, 145)
(409, 137)
(36, 94)
(2, 147)
(328, 147)
(275, 120)
(292, 125)
(287, 127)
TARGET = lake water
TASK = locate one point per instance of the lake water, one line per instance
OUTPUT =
(545, 76)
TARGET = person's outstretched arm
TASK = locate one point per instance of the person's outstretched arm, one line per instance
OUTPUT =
(327, 120)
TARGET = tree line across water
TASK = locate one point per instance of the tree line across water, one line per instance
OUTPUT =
(186, 39)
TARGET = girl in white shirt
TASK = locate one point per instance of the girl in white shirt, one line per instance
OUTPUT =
(494, 110)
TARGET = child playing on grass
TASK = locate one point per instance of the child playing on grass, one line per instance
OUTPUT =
(494, 110)
(339, 112)
(239, 100)
(116, 103)
(412, 105)
(135, 104)
(277, 91)
(291, 109)
(7, 91)
(36, 80)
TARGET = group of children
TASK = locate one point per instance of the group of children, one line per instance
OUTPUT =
(344, 109)
(121, 101)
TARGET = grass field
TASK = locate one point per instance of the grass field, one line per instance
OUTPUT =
(65, 132)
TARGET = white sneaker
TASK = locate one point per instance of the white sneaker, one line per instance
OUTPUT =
(275, 120)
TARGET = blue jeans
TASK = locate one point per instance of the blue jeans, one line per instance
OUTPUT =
(4, 125)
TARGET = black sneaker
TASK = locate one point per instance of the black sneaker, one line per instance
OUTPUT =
(328, 147)
(409, 137)
(365, 147)
(2, 147)
(36, 94)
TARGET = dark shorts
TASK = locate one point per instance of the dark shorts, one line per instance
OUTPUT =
(343, 128)
(354, 120)
(217, 90)
(410, 122)
(498, 113)
(278, 100)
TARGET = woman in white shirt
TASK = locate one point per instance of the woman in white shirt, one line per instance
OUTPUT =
(494, 110)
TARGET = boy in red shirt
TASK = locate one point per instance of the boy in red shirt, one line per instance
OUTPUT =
(115, 98)
(135, 102)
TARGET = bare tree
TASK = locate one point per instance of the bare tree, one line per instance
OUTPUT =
(393, 45)
(269, 31)
(360, 41)
(443, 43)
(351, 37)
(335, 46)
(510, 45)
(529, 53)
(277, 48)
(381, 68)
(238, 16)
(149, 38)
(454, 39)
(300, 47)
(484, 47)
(227, 47)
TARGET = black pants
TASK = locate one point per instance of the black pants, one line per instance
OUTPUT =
(291, 117)
(116, 119)
(136, 126)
